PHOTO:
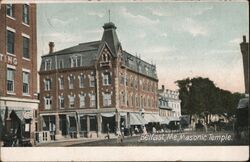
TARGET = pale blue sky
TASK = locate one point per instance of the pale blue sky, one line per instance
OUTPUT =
(182, 39)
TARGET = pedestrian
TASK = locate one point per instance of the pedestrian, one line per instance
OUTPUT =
(154, 130)
(144, 130)
(136, 130)
(108, 129)
(119, 137)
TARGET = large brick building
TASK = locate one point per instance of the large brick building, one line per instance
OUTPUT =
(18, 69)
(95, 86)
(245, 57)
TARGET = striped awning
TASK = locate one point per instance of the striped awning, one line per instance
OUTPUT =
(137, 119)
(152, 118)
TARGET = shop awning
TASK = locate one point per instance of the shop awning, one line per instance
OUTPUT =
(137, 119)
(108, 114)
(174, 118)
(152, 118)
(165, 120)
(123, 114)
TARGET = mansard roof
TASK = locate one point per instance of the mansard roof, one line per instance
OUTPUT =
(90, 51)
(137, 64)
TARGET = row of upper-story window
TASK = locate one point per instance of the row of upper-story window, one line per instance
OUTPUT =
(149, 86)
(11, 81)
(10, 12)
(133, 100)
(82, 80)
(11, 41)
(169, 104)
(107, 101)
(74, 61)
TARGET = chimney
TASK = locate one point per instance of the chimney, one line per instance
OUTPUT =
(244, 38)
(162, 87)
(51, 47)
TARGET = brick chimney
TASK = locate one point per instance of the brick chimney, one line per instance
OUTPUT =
(244, 38)
(51, 47)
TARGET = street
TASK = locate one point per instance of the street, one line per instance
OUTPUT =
(171, 139)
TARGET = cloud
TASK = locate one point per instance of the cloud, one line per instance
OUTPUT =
(236, 41)
(139, 19)
(200, 11)
(141, 35)
(94, 13)
(194, 28)
(58, 22)
(164, 34)
(157, 12)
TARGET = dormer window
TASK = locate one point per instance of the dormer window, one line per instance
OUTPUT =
(75, 61)
(47, 64)
(105, 57)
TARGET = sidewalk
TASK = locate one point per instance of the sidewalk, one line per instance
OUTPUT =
(70, 141)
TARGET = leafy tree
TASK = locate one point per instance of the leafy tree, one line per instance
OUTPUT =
(200, 96)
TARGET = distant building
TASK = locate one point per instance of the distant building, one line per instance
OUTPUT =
(18, 69)
(244, 46)
(169, 104)
(93, 87)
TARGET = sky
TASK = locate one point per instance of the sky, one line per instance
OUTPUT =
(181, 39)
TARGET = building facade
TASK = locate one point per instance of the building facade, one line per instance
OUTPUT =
(169, 105)
(18, 68)
(244, 46)
(95, 87)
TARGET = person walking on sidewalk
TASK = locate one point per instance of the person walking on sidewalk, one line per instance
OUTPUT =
(108, 129)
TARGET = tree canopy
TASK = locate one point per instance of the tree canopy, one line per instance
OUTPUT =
(200, 95)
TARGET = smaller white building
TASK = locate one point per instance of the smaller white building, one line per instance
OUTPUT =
(169, 103)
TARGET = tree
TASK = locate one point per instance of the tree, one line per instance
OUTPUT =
(200, 96)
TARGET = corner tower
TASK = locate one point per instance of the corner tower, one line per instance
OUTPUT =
(110, 37)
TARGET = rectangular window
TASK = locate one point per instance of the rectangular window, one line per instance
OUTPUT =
(61, 83)
(71, 82)
(61, 64)
(92, 100)
(10, 10)
(82, 101)
(10, 80)
(10, 42)
(107, 99)
(92, 81)
(71, 101)
(48, 103)
(47, 84)
(26, 43)
(106, 79)
(81, 81)
(61, 102)
(26, 14)
(25, 83)
(75, 61)
(47, 64)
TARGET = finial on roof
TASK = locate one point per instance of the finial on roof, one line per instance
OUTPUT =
(109, 15)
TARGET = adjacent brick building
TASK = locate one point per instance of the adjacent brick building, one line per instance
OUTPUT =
(18, 68)
(94, 86)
